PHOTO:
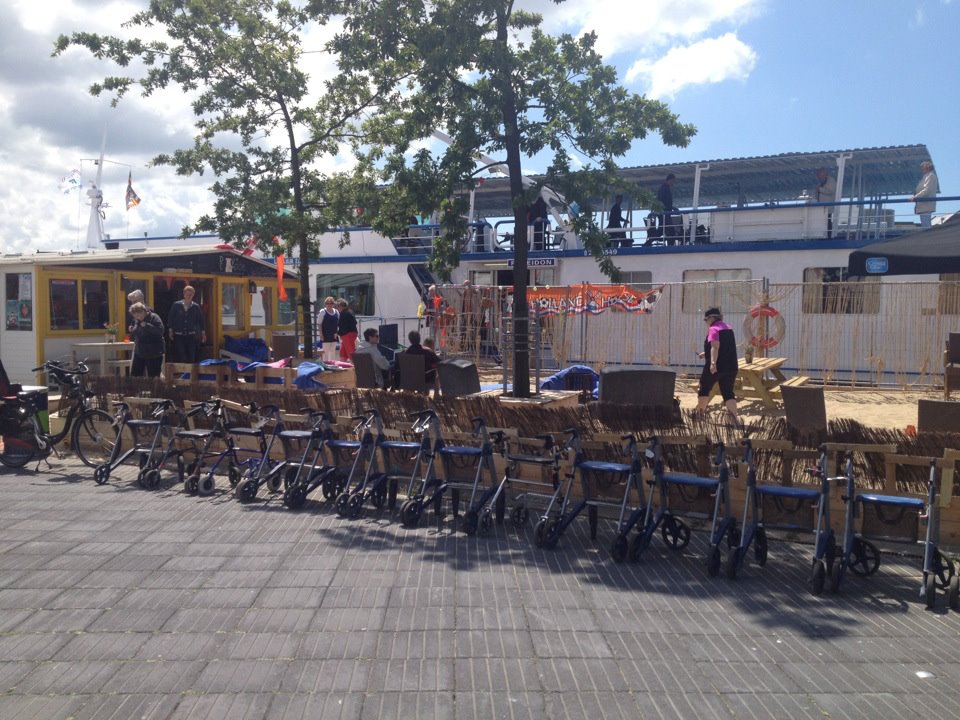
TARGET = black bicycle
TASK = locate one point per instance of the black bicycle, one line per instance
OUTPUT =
(92, 431)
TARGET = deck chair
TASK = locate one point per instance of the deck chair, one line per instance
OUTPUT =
(413, 372)
(365, 370)
(938, 416)
(951, 364)
(806, 411)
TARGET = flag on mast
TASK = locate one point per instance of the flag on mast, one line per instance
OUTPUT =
(132, 198)
(70, 181)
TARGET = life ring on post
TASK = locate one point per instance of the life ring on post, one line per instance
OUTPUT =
(753, 327)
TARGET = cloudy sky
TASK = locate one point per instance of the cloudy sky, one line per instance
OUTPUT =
(756, 77)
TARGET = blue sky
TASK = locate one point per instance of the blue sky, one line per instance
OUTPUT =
(756, 77)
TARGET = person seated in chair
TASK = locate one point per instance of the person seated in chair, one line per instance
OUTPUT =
(430, 359)
(381, 366)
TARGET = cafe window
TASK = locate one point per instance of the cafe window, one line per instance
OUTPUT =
(355, 288)
(64, 305)
(232, 299)
(19, 305)
(830, 291)
(95, 302)
(728, 289)
(265, 311)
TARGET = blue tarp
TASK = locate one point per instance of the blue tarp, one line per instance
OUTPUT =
(305, 379)
(560, 381)
(253, 348)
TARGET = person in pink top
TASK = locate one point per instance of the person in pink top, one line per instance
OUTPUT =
(719, 363)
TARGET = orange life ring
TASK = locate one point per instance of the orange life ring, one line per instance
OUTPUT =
(752, 327)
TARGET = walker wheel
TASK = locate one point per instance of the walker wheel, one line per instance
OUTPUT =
(831, 551)
(553, 534)
(355, 505)
(733, 563)
(540, 533)
(341, 504)
(294, 497)
(379, 496)
(206, 484)
(943, 569)
(246, 491)
(486, 523)
(181, 467)
(101, 474)
(519, 516)
(953, 593)
(733, 536)
(140, 480)
(675, 533)
(332, 484)
(818, 575)
(470, 522)
(866, 558)
(618, 551)
(836, 577)
(290, 476)
(930, 590)
(760, 547)
(638, 545)
(142, 460)
(714, 561)
(192, 484)
(275, 480)
(233, 475)
(151, 479)
(410, 513)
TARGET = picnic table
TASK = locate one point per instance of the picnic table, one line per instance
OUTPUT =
(761, 379)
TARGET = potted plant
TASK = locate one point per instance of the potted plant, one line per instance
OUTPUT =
(112, 331)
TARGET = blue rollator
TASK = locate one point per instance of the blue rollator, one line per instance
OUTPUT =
(376, 485)
(154, 442)
(316, 466)
(561, 511)
(862, 557)
(791, 502)
(546, 459)
(265, 469)
(483, 483)
(200, 471)
(425, 488)
(711, 492)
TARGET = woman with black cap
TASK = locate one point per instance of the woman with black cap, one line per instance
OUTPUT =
(720, 363)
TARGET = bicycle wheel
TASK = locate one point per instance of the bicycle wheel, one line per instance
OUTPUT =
(94, 438)
(20, 444)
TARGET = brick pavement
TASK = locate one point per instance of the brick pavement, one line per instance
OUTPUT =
(116, 602)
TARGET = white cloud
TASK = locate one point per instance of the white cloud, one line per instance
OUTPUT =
(648, 26)
(708, 61)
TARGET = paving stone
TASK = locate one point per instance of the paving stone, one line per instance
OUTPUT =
(122, 604)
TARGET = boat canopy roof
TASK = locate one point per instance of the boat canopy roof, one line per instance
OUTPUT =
(869, 173)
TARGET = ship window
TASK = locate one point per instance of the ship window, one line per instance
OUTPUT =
(829, 291)
(728, 289)
(19, 297)
(641, 280)
(355, 288)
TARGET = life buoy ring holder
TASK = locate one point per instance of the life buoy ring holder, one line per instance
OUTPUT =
(753, 328)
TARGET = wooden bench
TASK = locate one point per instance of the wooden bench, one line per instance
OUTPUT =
(795, 381)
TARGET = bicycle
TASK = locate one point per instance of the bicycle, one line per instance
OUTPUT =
(92, 431)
